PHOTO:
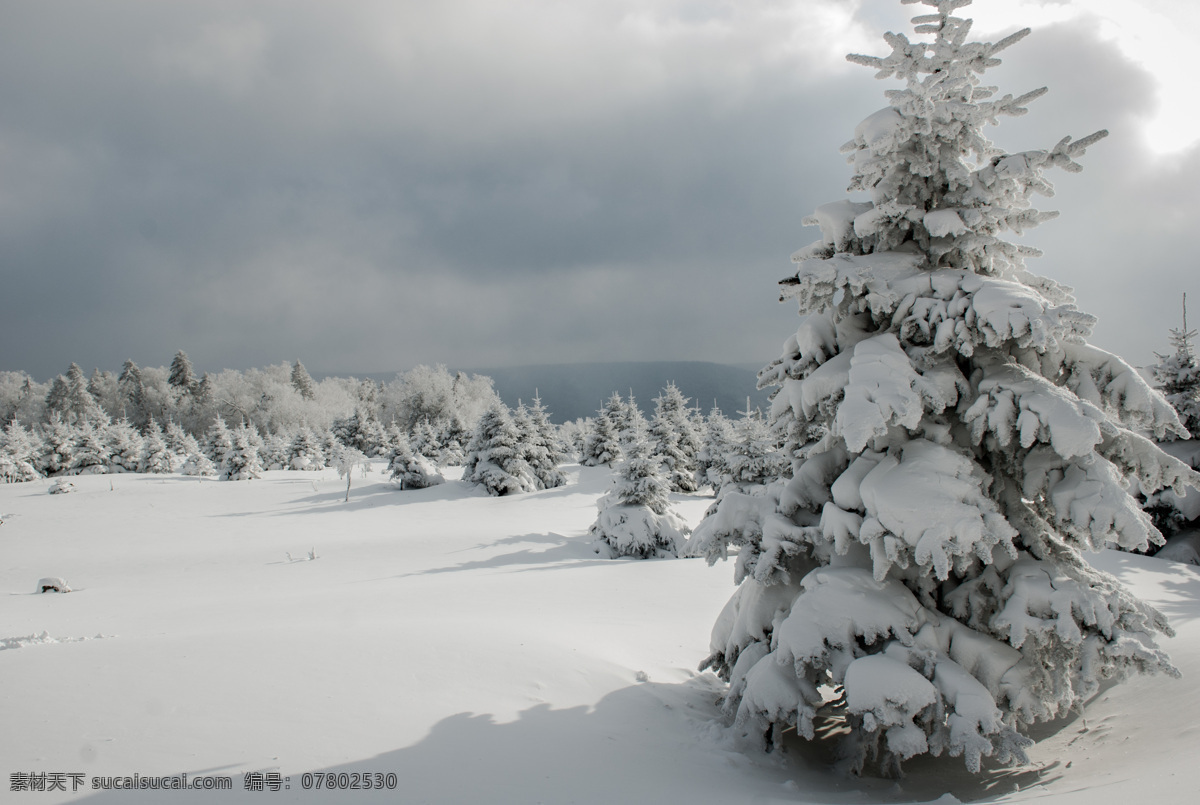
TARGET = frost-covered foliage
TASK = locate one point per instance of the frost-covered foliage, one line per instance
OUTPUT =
(242, 461)
(347, 459)
(710, 458)
(674, 441)
(89, 455)
(494, 456)
(124, 447)
(539, 443)
(956, 446)
(363, 431)
(217, 442)
(635, 516)
(1178, 376)
(751, 456)
(602, 445)
(70, 398)
(155, 456)
(18, 450)
(305, 451)
(411, 470)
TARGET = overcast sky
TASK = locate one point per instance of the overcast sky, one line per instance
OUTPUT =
(368, 185)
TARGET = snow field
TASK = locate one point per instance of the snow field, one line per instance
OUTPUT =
(474, 646)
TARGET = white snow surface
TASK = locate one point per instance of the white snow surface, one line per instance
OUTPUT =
(473, 646)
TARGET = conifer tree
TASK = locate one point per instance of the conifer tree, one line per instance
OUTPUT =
(957, 445)
(242, 460)
(635, 518)
(674, 442)
(124, 446)
(542, 451)
(1178, 376)
(90, 455)
(18, 451)
(411, 470)
(181, 375)
(70, 399)
(302, 382)
(305, 452)
(217, 442)
(180, 443)
(710, 459)
(57, 446)
(494, 456)
(156, 456)
(602, 444)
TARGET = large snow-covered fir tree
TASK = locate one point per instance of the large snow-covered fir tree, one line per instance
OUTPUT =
(956, 446)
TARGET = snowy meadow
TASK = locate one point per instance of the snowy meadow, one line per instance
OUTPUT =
(476, 647)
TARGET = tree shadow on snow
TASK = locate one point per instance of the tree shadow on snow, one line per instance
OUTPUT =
(646, 743)
(545, 552)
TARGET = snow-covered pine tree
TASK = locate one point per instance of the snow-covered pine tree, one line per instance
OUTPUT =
(409, 469)
(603, 445)
(542, 450)
(302, 381)
(494, 455)
(242, 461)
(957, 447)
(424, 440)
(635, 518)
(1178, 376)
(674, 442)
(305, 452)
(217, 442)
(710, 459)
(181, 443)
(452, 435)
(631, 422)
(57, 449)
(124, 446)
(131, 394)
(181, 375)
(156, 457)
(90, 455)
(276, 451)
(752, 457)
(70, 399)
(18, 452)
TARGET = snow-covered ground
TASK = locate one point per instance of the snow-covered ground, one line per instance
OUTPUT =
(474, 647)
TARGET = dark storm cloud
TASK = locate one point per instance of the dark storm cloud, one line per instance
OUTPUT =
(367, 186)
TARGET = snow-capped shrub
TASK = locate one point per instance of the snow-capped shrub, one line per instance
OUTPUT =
(956, 446)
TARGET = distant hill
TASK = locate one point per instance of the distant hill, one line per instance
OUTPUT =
(573, 390)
